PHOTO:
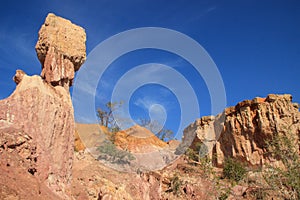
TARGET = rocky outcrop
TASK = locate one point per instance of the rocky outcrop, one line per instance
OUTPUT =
(37, 120)
(95, 181)
(242, 131)
(135, 149)
(61, 50)
(138, 139)
(17, 158)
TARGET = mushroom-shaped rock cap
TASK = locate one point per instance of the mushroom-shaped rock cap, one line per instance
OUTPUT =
(65, 37)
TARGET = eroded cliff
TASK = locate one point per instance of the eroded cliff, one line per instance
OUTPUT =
(242, 131)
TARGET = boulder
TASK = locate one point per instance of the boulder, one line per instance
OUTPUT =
(61, 50)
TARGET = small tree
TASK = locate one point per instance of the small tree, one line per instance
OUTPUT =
(153, 126)
(106, 115)
(165, 134)
(198, 152)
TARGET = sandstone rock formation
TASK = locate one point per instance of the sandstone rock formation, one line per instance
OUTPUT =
(138, 139)
(96, 182)
(37, 119)
(15, 182)
(61, 50)
(135, 139)
(150, 152)
(131, 150)
(44, 116)
(90, 135)
(78, 144)
(242, 131)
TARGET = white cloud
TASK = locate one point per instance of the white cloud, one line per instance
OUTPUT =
(144, 102)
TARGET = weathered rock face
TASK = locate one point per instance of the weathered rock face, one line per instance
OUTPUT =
(44, 116)
(18, 154)
(141, 149)
(78, 144)
(242, 131)
(201, 135)
(37, 121)
(95, 181)
(61, 50)
(138, 139)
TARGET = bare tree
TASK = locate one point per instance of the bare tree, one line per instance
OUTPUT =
(154, 126)
(106, 115)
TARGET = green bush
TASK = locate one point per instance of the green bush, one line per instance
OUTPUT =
(198, 152)
(224, 195)
(176, 183)
(233, 170)
(285, 180)
(192, 155)
(110, 152)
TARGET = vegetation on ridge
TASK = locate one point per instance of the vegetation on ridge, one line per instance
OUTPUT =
(111, 153)
(107, 119)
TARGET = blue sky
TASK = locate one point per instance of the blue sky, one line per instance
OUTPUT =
(254, 44)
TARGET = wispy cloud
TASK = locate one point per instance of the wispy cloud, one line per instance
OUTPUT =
(85, 88)
(210, 9)
(145, 102)
(203, 13)
(21, 44)
(176, 63)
